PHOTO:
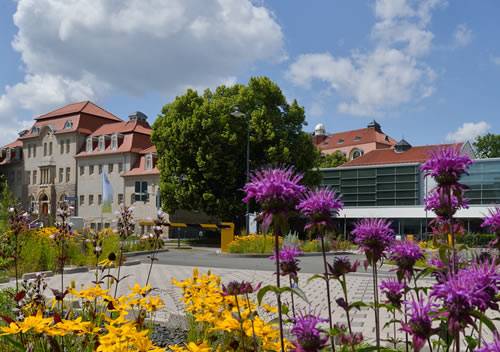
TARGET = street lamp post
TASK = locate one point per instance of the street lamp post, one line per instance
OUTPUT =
(237, 113)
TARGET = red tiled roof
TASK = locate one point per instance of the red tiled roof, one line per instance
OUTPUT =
(140, 168)
(16, 143)
(417, 154)
(86, 107)
(131, 143)
(151, 149)
(355, 137)
(123, 127)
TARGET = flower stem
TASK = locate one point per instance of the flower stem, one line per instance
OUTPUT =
(241, 323)
(327, 282)
(291, 294)
(119, 269)
(153, 258)
(394, 328)
(255, 347)
(407, 343)
(278, 284)
(376, 305)
(343, 283)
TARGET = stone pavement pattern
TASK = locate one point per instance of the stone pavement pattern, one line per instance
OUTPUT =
(359, 288)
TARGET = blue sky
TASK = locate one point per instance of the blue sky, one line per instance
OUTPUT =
(427, 70)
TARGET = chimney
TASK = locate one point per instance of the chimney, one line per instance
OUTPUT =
(375, 125)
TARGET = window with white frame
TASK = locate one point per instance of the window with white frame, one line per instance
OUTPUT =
(67, 145)
(101, 143)
(68, 124)
(91, 169)
(149, 161)
(141, 191)
(89, 144)
(114, 141)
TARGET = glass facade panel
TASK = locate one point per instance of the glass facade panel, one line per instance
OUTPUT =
(376, 185)
(484, 182)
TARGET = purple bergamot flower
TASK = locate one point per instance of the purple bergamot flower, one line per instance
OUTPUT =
(492, 221)
(393, 291)
(374, 236)
(319, 206)
(438, 200)
(491, 347)
(419, 325)
(342, 266)
(405, 254)
(309, 337)
(289, 264)
(446, 165)
(275, 190)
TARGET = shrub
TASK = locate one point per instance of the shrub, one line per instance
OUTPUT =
(476, 239)
(252, 244)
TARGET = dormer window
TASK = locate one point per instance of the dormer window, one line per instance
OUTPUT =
(68, 124)
(89, 144)
(35, 130)
(149, 161)
(357, 138)
(101, 143)
(341, 141)
(114, 141)
(8, 154)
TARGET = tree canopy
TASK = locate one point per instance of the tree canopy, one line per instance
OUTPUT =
(488, 146)
(332, 160)
(202, 148)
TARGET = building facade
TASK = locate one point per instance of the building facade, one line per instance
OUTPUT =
(389, 184)
(352, 144)
(68, 152)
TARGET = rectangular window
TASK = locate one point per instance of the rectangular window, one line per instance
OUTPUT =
(110, 167)
(61, 172)
(50, 148)
(67, 146)
(89, 145)
(91, 199)
(99, 199)
(99, 226)
(120, 198)
(91, 169)
(28, 176)
(44, 149)
(141, 191)
(82, 199)
(68, 176)
(92, 226)
(29, 150)
(100, 169)
(34, 150)
(149, 162)
(120, 167)
(82, 170)
(114, 141)
(101, 143)
(34, 177)
(106, 225)
(61, 149)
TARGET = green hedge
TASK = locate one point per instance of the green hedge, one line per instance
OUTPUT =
(476, 239)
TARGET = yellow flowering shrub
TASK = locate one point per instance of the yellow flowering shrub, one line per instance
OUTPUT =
(253, 243)
(102, 324)
(46, 231)
(222, 322)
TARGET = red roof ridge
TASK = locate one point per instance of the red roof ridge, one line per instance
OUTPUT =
(85, 106)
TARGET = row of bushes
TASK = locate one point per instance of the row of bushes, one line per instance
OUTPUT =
(39, 252)
(264, 244)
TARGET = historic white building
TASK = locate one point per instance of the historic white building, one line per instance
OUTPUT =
(63, 157)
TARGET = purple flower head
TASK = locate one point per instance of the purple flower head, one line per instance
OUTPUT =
(275, 190)
(419, 325)
(492, 221)
(491, 347)
(471, 288)
(319, 206)
(405, 254)
(438, 200)
(289, 264)
(309, 337)
(342, 266)
(393, 291)
(446, 165)
(374, 236)
(235, 288)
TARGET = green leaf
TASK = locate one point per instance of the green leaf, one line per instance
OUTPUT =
(16, 344)
(358, 305)
(264, 290)
(316, 277)
(471, 342)
(485, 320)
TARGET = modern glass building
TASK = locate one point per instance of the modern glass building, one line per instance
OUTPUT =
(397, 192)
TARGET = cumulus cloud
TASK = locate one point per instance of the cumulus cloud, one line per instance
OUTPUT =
(468, 131)
(391, 74)
(462, 36)
(84, 49)
(495, 60)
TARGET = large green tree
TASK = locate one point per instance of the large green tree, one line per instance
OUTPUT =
(488, 146)
(332, 160)
(202, 147)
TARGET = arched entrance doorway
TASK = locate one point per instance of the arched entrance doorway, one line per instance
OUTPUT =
(43, 202)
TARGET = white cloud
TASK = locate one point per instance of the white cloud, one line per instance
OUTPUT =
(84, 49)
(495, 60)
(468, 131)
(391, 74)
(462, 36)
